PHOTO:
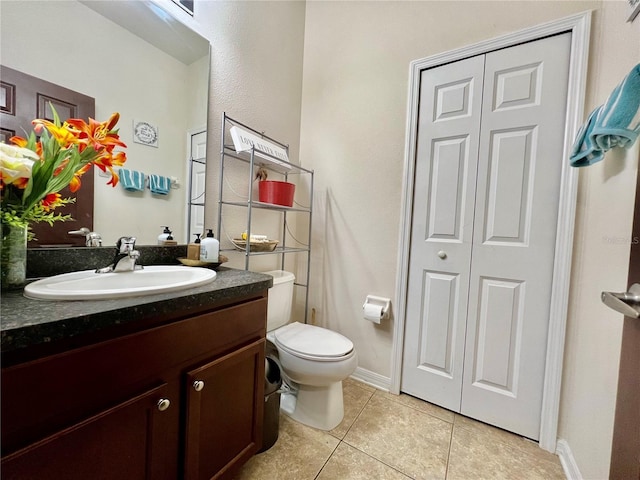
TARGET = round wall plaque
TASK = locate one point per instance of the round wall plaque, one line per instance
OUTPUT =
(144, 132)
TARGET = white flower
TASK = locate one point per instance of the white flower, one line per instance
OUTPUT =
(17, 152)
(15, 163)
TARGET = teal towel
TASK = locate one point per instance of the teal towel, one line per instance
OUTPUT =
(614, 124)
(159, 185)
(131, 180)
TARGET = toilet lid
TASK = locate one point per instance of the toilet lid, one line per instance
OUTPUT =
(309, 340)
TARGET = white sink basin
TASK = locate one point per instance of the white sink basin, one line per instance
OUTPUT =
(88, 285)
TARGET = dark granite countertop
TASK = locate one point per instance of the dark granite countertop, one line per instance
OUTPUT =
(26, 322)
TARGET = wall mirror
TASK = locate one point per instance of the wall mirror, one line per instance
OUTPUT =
(135, 58)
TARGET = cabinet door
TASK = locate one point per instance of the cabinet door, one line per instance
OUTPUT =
(129, 440)
(224, 413)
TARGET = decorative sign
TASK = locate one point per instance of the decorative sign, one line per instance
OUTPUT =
(245, 140)
(145, 133)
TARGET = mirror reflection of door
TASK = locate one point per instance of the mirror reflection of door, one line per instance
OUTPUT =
(26, 98)
(197, 172)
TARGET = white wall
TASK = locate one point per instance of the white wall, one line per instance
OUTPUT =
(68, 44)
(256, 78)
(354, 111)
(601, 255)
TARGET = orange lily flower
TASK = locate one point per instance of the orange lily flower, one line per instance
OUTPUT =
(64, 135)
(61, 167)
(20, 183)
(118, 159)
(19, 141)
(107, 161)
(51, 201)
(114, 178)
(75, 183)
(99, 135)
(22, 142)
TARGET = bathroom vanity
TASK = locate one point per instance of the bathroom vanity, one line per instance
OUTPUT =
(161, 387)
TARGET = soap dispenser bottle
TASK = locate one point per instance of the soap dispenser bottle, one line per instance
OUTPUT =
(165, 235)
(193, 249)
(209, 248)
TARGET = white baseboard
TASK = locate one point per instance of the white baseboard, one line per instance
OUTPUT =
(569, 464)
(371, 378)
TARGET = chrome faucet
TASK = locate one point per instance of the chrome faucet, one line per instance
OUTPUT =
(93, 239)
(126, 257)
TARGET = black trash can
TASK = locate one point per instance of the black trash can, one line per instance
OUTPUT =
(271, 418)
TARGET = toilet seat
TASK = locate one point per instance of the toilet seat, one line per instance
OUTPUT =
(312, 343)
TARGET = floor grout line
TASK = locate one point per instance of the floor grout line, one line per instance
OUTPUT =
(498, 438)
(341, 440)
(421, 410)
(446, 470)
(418, 410)
(327, 460)
(356, 417)
(377, 459)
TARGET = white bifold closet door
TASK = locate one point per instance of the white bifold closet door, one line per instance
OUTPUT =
(487, 183)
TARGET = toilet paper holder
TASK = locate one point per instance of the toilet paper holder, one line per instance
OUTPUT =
(382, 302)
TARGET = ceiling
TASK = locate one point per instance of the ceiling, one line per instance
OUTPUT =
(153, 24)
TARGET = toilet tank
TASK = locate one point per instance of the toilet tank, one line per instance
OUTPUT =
(280, 299)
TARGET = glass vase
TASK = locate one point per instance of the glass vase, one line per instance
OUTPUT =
(13, 256)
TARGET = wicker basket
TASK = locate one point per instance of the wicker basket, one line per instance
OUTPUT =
(268, 246)
(189, 262)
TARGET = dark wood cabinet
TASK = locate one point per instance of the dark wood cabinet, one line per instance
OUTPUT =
(221, 429)
(125, 441)
(179, 400)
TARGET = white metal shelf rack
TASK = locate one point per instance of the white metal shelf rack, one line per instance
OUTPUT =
(255, 157)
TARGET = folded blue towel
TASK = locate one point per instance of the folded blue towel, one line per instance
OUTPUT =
(614, 124)
(131, 180)
(585, 152)
(159, 185)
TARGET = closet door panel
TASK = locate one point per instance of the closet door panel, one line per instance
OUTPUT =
(444, 196)
(507, 212)
(498, 340)
(519, 173)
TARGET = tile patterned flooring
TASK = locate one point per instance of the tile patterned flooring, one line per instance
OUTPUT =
(390, 437)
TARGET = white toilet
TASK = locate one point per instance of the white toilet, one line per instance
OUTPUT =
(314, 360)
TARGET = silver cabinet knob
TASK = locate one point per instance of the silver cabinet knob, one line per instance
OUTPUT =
(163, 404)
(442, 254)
(198, 385)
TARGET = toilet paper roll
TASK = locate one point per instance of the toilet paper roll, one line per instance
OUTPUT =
(372, 312)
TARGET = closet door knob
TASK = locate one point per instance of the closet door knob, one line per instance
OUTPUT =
(442, 254)
(163, 404)
(198, 385)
